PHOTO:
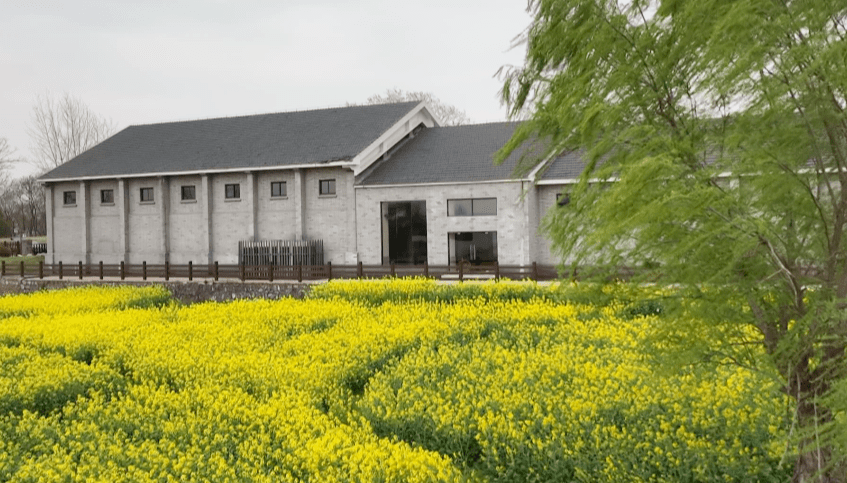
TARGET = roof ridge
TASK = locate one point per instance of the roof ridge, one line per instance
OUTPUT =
(296, 111)
(489, 123)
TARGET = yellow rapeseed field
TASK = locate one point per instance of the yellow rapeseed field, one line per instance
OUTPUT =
(375, 381)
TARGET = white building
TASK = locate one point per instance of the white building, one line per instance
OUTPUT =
(377, 184)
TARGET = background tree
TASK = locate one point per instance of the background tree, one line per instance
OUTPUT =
(62, 128)
(723, 126)
(449, 115)
(6, 159)
(22, 207)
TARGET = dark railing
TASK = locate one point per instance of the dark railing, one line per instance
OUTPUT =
(21, 248)
(271, 273)
(281, 252)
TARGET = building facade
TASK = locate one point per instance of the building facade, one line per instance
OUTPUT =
(377, 184)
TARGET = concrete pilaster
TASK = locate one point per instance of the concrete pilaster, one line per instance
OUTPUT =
(164, 211)
(206, 213)
(48, 205)
(123, 217)
(299, 204)
(252, 199)
(85, 228)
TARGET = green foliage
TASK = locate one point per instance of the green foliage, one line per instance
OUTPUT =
(715, 135)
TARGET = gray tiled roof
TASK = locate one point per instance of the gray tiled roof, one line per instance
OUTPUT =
(569, 166)
(265, 140)
(445, 154)
(459, 154)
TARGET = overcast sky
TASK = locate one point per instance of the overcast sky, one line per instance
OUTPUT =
(151, 61)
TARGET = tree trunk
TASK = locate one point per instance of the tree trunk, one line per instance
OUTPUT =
(815, 462)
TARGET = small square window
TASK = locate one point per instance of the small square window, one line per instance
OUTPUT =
(278, 189)
(562, 199)
(146, 195)
(69, 197)
(327, 187)
(107, 196)
(232, 191)
(188, 193)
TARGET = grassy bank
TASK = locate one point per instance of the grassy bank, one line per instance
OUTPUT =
(13, 263)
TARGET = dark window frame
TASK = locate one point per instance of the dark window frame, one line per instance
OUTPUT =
(279, 189)
(188, 192)
(330, 187)
(143, 195)
(69, 198)
(232, 191)
(107, 199)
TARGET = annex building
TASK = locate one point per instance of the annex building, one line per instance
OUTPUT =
(375, 184)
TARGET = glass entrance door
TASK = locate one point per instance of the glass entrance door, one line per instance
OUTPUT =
(475, 247)
(404, 232)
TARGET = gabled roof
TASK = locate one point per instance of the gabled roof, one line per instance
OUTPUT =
(250, 142)
(455, 154)
(447, 154)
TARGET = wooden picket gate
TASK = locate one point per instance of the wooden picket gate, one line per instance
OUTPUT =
(280, 253)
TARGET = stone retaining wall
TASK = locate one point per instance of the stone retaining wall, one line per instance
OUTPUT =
(186, 292)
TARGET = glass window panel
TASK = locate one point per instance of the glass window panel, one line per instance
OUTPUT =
(459, 207)
(484, 206)
(70, 197)
(278, 189)
(232, 191)
(107, 196)
(327, 187)
(146, 194)
(189, 193)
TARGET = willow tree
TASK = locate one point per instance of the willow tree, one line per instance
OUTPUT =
(715, 140)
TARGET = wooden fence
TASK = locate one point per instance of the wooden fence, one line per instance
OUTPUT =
(272, 273)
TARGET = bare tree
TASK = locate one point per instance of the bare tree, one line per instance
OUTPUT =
(9, 202)
(33, 209)
(6, 160)
(22, 207)
(449, 115)
(63, 128)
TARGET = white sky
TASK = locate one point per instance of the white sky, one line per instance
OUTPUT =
(153, 61)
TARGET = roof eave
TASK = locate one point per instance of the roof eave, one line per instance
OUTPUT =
(156, 174)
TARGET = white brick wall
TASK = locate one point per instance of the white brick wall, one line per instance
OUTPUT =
(511, 222)
(186, 222)
(104, 224)
(546, 202)
(332, 218)
(276, 216)
(67, 225)
(144, 222)
(349, 222)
